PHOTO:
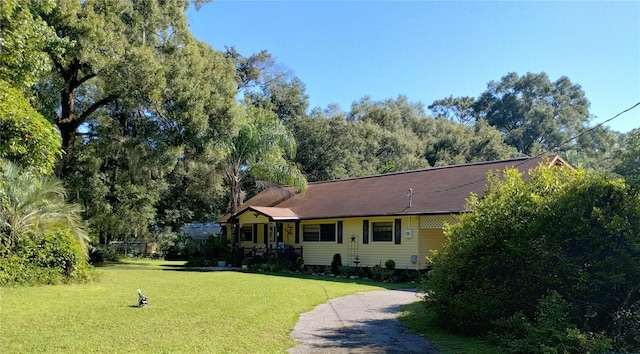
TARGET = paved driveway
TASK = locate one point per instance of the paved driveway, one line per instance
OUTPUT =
(360, 323)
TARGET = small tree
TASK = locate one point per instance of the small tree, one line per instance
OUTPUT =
(336, 263)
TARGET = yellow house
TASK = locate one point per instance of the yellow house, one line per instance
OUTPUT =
(367, 220)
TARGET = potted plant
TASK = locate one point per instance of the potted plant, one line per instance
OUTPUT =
(244, 263)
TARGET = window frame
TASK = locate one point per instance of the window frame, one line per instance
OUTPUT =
(243, 232)
(319, 232)
(376, 233)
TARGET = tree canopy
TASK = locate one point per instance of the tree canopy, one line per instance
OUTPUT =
(24, 39)
(628, 162)
(535, 116)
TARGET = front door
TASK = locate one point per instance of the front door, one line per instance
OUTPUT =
(279, 231)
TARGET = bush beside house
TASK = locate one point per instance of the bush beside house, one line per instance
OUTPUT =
(548, 264)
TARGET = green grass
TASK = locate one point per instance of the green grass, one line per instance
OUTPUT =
(189, 311)
(419, 320)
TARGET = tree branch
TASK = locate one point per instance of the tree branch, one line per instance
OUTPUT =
(95, 106)
(85, 79)
(59, 66)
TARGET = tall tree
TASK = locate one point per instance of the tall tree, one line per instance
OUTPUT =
(458, 109)
(285, 96)
(106, 51)
(265, 83)
(324, 141)
(452, 143)
(250, 71)
(259, 152)
(532, 112)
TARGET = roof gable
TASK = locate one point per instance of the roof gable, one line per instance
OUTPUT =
(272, 213)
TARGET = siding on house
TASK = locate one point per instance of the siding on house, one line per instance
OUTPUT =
(426, 234)
(430, 239)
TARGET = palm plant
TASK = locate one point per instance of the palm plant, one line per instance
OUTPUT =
(259, 153)
(31, 205)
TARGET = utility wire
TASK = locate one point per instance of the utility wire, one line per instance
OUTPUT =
(547, 151)
(590, 129)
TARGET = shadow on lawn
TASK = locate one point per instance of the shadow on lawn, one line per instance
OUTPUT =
(137, 264)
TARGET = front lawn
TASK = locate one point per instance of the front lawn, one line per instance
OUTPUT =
(188, 311)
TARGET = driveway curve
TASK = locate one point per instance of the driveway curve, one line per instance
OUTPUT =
(361, 323)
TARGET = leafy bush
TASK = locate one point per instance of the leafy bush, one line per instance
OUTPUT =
(201, 262)
(102, 254)
(346, 271)
(55, 257)
(576, 233)
(382, 274)
(551, 330)
(336, 263)
(183, 250)
(390, 264)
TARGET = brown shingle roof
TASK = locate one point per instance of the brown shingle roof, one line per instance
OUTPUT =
(274, 214)
(436, 190)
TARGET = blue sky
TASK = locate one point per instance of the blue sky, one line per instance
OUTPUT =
(427, 50)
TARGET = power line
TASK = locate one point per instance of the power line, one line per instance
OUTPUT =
(547, 151)
(590, 129)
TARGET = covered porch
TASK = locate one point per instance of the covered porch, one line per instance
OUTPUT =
(267, 233)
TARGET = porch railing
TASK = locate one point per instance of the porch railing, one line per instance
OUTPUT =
(288, 253)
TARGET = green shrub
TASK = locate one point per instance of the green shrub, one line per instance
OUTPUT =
(55, 257)
(102, 254)
(336, 263)
(552, 330)
(201, 262)
(382, 274)
(573, 232)
(390, 264)
(346, 271)
(184, 249)
(364, 272)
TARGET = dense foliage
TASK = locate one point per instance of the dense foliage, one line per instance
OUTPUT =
(628, 164)
(42, 239)
(536, 115)
(26, 137)
(24, 35)
(551, 262)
